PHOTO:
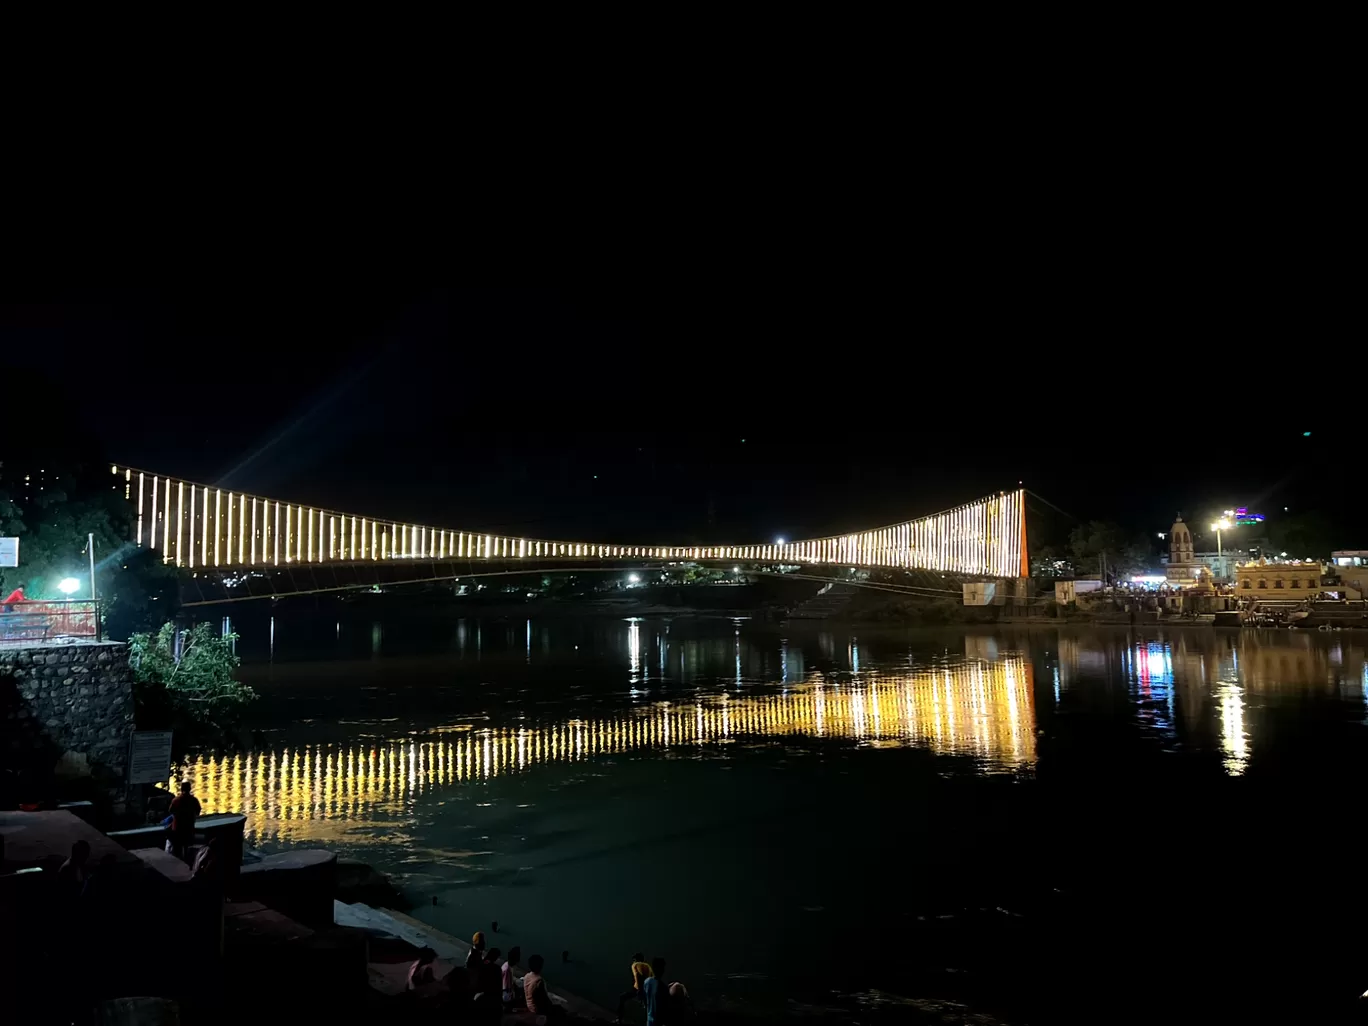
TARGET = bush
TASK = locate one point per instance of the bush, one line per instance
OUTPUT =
(197, 689)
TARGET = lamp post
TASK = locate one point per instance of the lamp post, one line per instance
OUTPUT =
(1224, 524)
(1218, 527)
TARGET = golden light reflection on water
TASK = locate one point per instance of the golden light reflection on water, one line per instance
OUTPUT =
(324, 792)
(1234, 739)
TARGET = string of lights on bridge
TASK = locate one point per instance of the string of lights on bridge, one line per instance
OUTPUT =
(205, 527)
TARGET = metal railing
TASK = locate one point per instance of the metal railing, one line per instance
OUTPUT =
(55, 620)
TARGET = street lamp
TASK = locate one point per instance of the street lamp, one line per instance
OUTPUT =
(69, 586)
(1220, 525)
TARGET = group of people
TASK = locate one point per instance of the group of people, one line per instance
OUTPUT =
(662, 1003)
(487, 984)
(80, 878)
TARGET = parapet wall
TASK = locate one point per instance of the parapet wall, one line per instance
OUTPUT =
(68, 703)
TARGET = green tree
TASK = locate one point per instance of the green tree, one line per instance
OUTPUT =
(194, 688)
(1102, 546)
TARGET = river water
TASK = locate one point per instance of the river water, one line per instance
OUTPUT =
(1048, 825)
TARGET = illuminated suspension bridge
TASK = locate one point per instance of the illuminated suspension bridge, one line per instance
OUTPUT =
(203, 527)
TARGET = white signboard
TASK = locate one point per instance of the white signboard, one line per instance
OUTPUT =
(149, 757)
(9, 551)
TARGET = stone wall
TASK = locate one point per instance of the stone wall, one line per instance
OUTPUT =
(71, 704)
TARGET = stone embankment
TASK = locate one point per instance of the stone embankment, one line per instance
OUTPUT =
(71, 704)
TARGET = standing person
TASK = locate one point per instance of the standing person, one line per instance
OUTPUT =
(476, 956)
(491, 978)
(488, 996)
(458, 990)
(640, 970)
(17, 595)
(654, 996)
(185, 809)
(534, 991)
(512, 996)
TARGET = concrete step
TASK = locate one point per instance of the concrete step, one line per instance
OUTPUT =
(825, 605)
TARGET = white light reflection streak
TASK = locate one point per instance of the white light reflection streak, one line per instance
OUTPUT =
(633, 649)
(1234, 740)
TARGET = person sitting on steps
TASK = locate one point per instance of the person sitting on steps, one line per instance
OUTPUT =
(534, 990)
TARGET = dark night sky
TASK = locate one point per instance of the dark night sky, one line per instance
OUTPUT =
(706, 414)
